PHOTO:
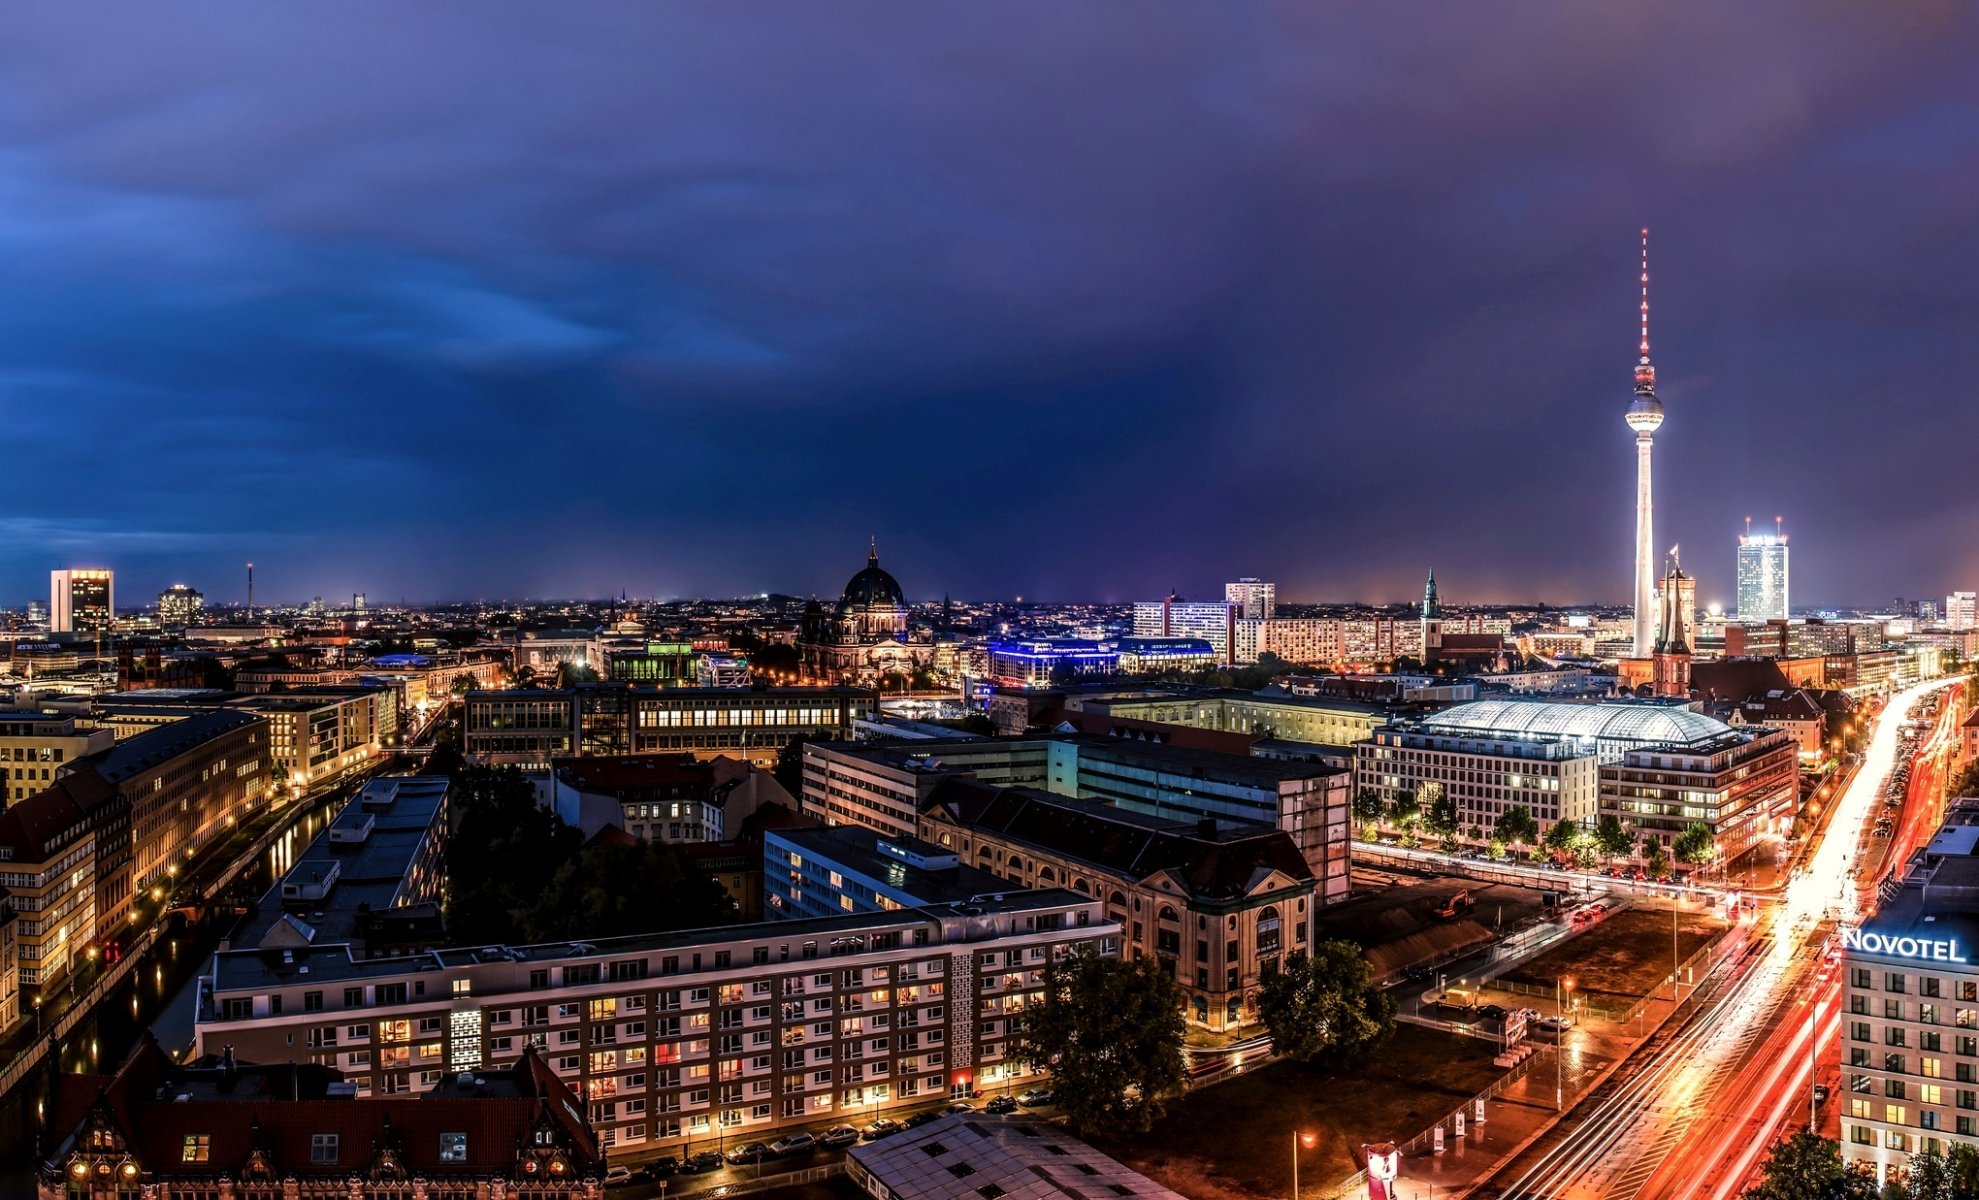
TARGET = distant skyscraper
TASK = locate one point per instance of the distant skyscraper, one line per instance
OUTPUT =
(1645, 416)
(1962, 610)
(1762, 574)
(81, 600)
(179, 605)
(1254, 598)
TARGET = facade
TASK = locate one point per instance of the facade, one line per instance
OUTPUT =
(1255, 599)
(866, 634)
(226, 1128)
(82, 600)
(180, 605)
(830, 872)
(1141, 655)
(1670, 666)
(1910, 1038)
(1487, 773)
(662, 797)
(1794, 712)
(1305, 641)
(48, 866)
(34, 747)
(529, 728)
(1210, 621)
(1645, 417)
(1743, 784)
(1762, 577)
(317, 734)
(1320, 720)
(674, 1039)
(1219, 907)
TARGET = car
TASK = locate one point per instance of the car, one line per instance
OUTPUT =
(960, 1106)
(706, 1160)
(619, 1176)
(748, 1152)
(1416, 974)
(1001, 1105)
(1491, 1012)
(884, 1127)
(660, 1168)
(1820, 1093)
(839, 1135)
(923, 1117)
(1555, 1024)
(1034, 1098)
(796, 1143)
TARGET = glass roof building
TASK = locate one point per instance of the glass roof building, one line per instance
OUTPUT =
(1606, 731)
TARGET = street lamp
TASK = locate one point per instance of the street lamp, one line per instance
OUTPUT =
(1308, 1140)
(1562, 988)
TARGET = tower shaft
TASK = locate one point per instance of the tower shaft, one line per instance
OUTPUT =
(1645, 552)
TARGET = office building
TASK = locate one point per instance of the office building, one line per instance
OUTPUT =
(1910, 1039)
(1210, 621)
(34, 747)
(1962, 610)
(530, 728)
(1143, 655)
(1762, 576)
(180, 605)
(964, 1157)
(1219, 906)
(49, 854)
(372, 879)
(1254, 599)
(1645, 417)
(671, 1039)
(82, 601)
(320, 733)
(292, 1131)
(831, 872)
(662, 797)
(1315, 720)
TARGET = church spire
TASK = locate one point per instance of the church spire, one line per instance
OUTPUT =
(873, 554)
(1430, 606)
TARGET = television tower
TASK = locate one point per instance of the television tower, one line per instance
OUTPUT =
(1645, 416)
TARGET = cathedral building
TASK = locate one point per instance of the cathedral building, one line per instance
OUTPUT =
(866, 634)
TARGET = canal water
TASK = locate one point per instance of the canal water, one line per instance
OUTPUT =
(157, 994)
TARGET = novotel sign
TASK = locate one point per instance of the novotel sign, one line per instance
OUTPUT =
(1931, 949)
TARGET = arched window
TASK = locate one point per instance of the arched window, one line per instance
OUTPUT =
(1118, 900)
(1079, 885)
(1046, 875)
(1168, 914)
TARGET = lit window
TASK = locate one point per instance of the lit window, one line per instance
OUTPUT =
(198, 1148)
(453, 1147)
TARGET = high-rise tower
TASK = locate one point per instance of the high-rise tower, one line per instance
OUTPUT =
(1645, 416)
(1762, 574)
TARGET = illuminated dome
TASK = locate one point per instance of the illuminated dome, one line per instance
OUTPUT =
(1609, 728)
(873, 588)
(1645, 413)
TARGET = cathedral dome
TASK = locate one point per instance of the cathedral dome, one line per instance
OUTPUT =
(873, 588)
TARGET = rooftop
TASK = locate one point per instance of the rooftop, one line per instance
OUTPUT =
(150, 749)
(902, 864)
(1615, 724)
(968, 1157)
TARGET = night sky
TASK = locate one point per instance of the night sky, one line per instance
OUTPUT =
(1079, 301)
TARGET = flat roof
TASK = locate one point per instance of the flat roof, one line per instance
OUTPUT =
(858, 851)
(971, 1156)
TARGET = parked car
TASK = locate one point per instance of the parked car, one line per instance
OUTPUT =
(660, 1168)
(1035, 1097)
(923, 1117)
(960, 1106)
(706, 1160)
(881, 1128)
(618, 1176)
(1491, 1012)
(1001, 1105)
(839, 1135)
(1555, 1024)
(748, 1152)
(796, 1143)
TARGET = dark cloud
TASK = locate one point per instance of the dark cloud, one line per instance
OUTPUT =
(1071, 300)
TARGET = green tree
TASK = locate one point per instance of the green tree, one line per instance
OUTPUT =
(1696, 845)
(503, 855)
(1440, 815)
(1563, 838)
(1654, 860)
(1326, 1007)
(1405, 810)
(1805, 1166)
(1110, 1030)
(463, 683)
(1496, 849)
(1367, 806)
(612, 890)
(278, 775)
(1517, 826)
(571, 672)
(1613, 837)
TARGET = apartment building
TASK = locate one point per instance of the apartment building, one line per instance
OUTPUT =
(48, 867)
(1218, 906)
(743, 1031)
(35, 746)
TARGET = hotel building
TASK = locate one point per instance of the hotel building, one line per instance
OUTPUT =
(672, 1039)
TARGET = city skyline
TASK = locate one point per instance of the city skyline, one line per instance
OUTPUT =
(365, 331)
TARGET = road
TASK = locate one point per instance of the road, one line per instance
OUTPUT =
(1688, 1113)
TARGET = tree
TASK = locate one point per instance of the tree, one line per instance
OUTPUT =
(1110, 1030)
(278, 776)
(789, 769)
(1695, 845)
(1933, 1176)
(1326, 1006)
(611, 890)
(1440, 815)
(1563, 838)
(1655, 861)
(1367, 806)
(1613, 837)
(463, 683)
(1517, 826)
(1405, 811)
(1805, 1166)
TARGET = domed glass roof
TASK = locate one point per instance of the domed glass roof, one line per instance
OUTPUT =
(1613, 727)
(872, 587)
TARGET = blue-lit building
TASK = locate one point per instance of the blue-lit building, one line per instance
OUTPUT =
(1036, 662)
(839, 870)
